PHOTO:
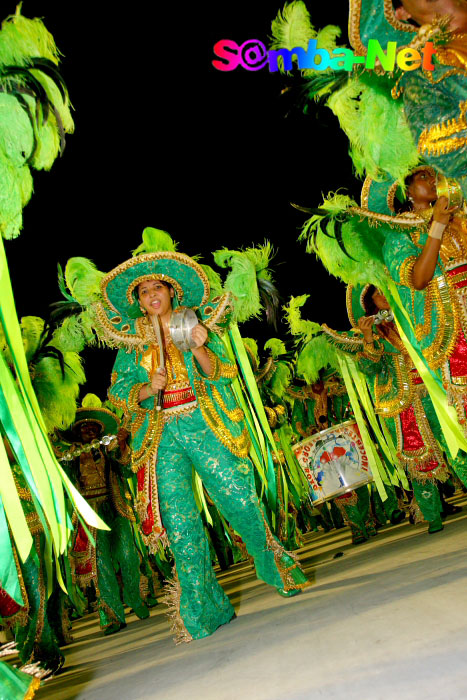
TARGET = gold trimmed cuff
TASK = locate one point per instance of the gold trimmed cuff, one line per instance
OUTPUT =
(215, 372)
(133, 396)
(406, 271)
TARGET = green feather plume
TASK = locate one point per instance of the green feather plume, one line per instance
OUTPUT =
(275, 346)
(298, 326)
(75, 332)
(55, 373)
(154, 241)
(280, 379)
(317, 354)
(34, 113)
(91, 401)
(83, 280)
(375, 124)
(347, 245)
(292, 27)
(249, 280)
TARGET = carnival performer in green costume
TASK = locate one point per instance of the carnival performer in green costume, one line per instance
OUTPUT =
(429, 265)
(199, 425)
(97, 472)
(400, 399)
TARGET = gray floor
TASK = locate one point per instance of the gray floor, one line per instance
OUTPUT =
(387, 620)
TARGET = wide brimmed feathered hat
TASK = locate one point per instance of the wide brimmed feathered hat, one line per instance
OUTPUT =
(105, 419)
(92, 411)
(119, 313)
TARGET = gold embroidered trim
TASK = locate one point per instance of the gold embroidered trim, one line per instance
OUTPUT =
(228, 370)
(390, 16)
(371, 352)
(285, 572)
(235, 415)
(33, 686)
(438, 139)
(365, 192)
(406, 271)
(215, 372)
(238, 446)
(393, 406)
(218, 315)
(122, 506)
(355, 9)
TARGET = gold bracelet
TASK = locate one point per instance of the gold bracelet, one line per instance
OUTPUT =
(436, 230)
(150, 389)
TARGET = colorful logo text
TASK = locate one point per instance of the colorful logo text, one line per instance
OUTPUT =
(253, 55)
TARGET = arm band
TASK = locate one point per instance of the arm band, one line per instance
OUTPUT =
(436, 230)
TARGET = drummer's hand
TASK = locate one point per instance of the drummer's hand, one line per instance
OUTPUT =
(441, 212)
(199, 334)
(365, 323)
(159, 380)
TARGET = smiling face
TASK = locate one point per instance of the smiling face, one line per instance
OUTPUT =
(422, 188)
(155, 297)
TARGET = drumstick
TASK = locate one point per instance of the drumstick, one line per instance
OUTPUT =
(157, 331)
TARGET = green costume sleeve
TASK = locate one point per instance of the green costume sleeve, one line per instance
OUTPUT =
(127, 380)
(223, 371)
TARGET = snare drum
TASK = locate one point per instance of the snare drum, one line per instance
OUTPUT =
(334, 461)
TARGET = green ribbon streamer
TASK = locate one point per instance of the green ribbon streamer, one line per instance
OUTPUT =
(384, 438)
(12, 507)
(8, 574)
(376, 464)
(447, 416)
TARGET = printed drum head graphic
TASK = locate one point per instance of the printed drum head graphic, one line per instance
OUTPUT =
(334, 461)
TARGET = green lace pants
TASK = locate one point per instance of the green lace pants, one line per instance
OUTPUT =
(116, 549)
(427, 496)
(188, 442)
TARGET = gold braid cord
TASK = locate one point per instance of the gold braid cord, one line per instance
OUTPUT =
(439, 139)
(31, 691)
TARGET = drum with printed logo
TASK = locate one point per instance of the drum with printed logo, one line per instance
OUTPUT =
(334, 461)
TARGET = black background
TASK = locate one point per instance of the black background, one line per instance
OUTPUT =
(163, 139)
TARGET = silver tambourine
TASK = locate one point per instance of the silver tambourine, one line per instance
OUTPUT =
(182, 322)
